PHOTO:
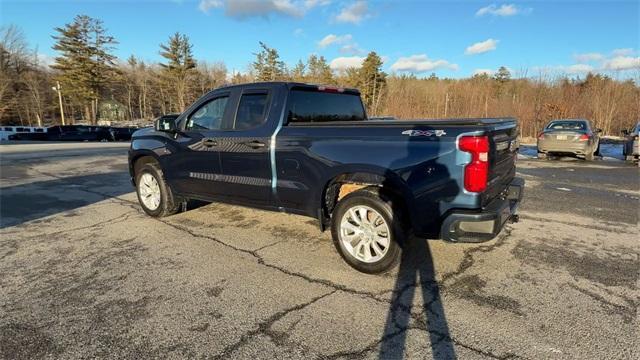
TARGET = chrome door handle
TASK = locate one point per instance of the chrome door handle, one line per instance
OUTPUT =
(255, 144)
(209, 142)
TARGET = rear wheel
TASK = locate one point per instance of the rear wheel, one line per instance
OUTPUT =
(154, 194)
(367, 231)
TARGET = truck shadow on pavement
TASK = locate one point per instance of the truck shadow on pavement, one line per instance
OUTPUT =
(416, 273)
(31, 201)
(416, 270)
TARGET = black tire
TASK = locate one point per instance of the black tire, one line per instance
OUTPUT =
(169, 204)
(390, 211)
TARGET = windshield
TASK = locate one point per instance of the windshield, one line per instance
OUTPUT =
(567, 125)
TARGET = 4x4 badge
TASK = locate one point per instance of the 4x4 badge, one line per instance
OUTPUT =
(424, 132)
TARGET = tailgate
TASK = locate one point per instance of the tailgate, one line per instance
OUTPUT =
(503, 141)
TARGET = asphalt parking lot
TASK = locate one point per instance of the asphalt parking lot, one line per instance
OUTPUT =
(85, 273)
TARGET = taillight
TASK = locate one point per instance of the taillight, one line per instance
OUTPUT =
(584, 137)
(331, 89)
(477, 171)
(541, 136)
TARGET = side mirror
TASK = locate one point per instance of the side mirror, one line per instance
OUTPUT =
(625, 132)
(598, 130)
(166, 124)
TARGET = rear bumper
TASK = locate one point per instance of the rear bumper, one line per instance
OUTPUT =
(474, 226)
(554, 146)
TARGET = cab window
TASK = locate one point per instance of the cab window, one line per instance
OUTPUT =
(306, 105)
(251, 111)
(208, 116)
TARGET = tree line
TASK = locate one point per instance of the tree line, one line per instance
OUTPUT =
(96, 85)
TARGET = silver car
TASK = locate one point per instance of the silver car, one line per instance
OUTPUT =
(569, 137)
(631, 149)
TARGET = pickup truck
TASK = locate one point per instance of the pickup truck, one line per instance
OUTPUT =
(310, 150)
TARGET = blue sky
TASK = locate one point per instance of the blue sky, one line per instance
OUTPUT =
(450, 38)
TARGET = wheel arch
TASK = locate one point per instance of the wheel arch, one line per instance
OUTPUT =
(346, 182)
(139, 159)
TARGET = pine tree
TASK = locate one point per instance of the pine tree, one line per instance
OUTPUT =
(503, 75)
(268, 66)
(372, 81)
(179, 66)
(319, 70)
(85, 63)
(298, 72)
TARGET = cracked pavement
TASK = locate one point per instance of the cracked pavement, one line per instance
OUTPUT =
(85, 273)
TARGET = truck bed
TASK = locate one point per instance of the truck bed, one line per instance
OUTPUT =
(422, 122)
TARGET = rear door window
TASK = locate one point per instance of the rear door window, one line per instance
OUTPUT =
(252, 110)
(318, 106)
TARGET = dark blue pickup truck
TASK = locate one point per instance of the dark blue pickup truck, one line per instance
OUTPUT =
(310, 150)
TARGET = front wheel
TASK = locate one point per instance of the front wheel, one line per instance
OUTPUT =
(154, 194)
(367, 231)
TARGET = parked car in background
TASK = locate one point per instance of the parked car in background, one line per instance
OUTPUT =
(569, 137)
(311, 150)
(22, 133)
(121, 133)
(71, 133)
(34, 136)
(631, 147)
(78, 133)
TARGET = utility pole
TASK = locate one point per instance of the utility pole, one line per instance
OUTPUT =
(58, 89)
(486, 106)
(446, 104)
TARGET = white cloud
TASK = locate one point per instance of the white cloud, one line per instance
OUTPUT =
(243, 9)
(503, 10)
(421, 63)
(346, 62)
(489, 72)
(622, 52)
(348, 46)
(45, 59)
(575, 69)
(354, 13)
(482, 47)
(313, 3)
(256, 8)
(578, 69)
(351, 49)
(298, 32)
(206, 5)
(588, 57)
(334, 39)
(622, 63)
